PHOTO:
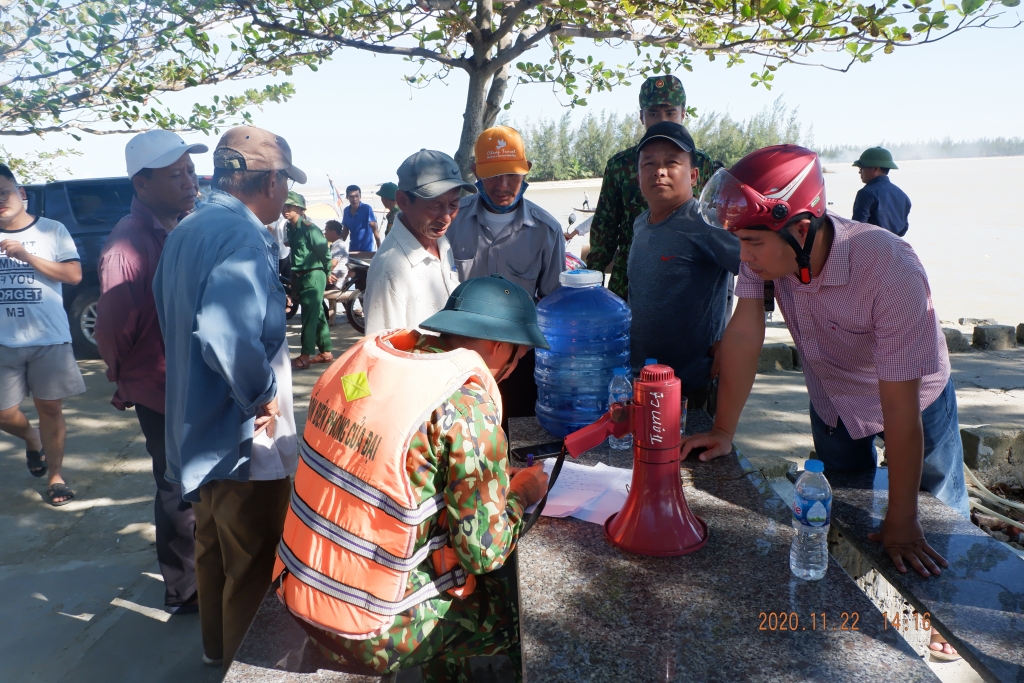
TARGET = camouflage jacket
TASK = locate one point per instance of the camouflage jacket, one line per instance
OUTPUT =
(392, 212)
(618, 207)
(462, 451)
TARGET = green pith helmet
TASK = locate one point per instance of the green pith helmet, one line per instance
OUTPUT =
(387, 191)
(876, 157)
(295, 199)
(490, 308)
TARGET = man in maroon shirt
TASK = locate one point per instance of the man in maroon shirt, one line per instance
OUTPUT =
(128, 333)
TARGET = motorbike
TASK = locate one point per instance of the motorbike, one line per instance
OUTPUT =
(355, 288)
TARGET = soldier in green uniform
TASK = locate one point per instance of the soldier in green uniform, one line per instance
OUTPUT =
(387, 198)
(662, 98)
(311, 262)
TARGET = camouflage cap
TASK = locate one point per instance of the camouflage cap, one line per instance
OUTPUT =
(295, 199)
(662, 90)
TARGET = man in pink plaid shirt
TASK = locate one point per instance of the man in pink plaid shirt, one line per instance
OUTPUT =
(857, 302)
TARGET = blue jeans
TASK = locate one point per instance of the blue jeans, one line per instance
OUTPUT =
(943, 472)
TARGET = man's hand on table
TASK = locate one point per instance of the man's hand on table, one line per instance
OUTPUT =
(717, 442)
(529, 483)
(904, 541)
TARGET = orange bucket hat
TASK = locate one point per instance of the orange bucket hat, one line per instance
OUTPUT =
(500, 150)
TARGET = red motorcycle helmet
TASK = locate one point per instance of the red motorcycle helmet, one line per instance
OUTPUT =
(766, 189)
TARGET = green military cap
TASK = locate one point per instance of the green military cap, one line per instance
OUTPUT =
(387, 191)
(662, 90)
(490, 308)
(295, 199)
(876, 157)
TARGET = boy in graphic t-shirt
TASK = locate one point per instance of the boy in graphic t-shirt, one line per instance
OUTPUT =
(36, 256)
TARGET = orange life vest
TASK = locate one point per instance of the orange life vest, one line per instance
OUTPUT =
(348, 542)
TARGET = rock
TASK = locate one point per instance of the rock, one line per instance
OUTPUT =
(1020, 333)
(775, 356)
(995, 452)
(977, 321)
(956, 342)
(1000, 536)
(797, 363)
(994, 337)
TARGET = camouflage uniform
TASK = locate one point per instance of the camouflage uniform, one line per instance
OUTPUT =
(392, 212)
(621, 202)
(462, 451)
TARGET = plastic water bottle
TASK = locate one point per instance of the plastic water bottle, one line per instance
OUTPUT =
(587, 327)
(812, 512)
(620, 390)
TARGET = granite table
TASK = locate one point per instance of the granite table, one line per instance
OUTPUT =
(590, 612)
(977, 603)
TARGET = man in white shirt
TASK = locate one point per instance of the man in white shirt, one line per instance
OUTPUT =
(37, 255)
(337, 235)
(413, 272)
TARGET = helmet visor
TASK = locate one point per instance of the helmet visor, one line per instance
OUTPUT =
(725, 201)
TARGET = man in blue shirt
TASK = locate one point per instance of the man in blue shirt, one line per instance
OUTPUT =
(360, 221)
(880, 202)
(222, 314)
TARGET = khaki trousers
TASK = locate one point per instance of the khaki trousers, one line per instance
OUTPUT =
(238, 527)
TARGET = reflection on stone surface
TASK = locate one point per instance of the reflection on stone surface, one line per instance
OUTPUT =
(977, 602)
(593, 613)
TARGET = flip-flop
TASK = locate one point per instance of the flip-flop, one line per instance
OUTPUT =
(319, 358)
(942, 654)
(59, 490)
(299, 364)
(36, 465)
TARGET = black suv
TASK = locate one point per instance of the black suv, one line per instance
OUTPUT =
(89, 209)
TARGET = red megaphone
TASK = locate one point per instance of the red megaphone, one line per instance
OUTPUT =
(655, 519)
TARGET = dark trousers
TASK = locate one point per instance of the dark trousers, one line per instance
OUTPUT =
(943, 471)
(519, 391)
(238, 527)
(175, 523)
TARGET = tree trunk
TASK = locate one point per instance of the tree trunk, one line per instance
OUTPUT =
(472, 122)
(496, 93)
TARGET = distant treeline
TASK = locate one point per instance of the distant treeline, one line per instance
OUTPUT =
(561, 151)
(934, 149)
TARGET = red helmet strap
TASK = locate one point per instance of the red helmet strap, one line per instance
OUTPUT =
(803, 254)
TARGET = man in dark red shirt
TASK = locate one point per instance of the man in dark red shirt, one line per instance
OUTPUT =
(129, 339)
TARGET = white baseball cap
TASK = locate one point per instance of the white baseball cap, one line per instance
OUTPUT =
(157, 149)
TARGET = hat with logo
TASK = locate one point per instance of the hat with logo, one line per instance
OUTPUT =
(387, 191)
(157, 149)
(876, 157)
(295, 199)
(500, 150)
(667, 130)
(429, 173)
(665, 89)
(261, 150)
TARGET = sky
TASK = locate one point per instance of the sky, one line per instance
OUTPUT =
(356, 119)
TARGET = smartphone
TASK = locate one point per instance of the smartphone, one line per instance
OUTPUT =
(544, 450)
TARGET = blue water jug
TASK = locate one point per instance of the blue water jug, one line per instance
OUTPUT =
(587, 327)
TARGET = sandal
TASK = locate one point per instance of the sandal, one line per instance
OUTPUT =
(300, 363)
(325, 357)
(941, 653)
(59, 490)
(36, 462)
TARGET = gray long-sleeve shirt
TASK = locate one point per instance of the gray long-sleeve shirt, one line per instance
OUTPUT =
(529, 251)
(679, 272)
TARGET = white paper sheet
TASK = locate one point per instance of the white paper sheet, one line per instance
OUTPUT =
(585, 492)
(599, 509)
